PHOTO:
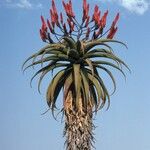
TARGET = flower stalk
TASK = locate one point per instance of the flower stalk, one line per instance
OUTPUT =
(90, 28)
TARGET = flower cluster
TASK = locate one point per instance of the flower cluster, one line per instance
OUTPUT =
(90, 28)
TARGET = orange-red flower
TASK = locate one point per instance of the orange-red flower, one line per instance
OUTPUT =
(112, 32)
(44, 26)
(53, 21)
(68, 9)
(43, 35)
(98, 32)
(71, 25)
(96, 16)
(54, 7)
(43, 30)
(116, 19)
(90, 25)
(55, 14)
(103, 20)
(88, 33)
(50, 27)
(61, 18)
(85, 10)
(87, 21)
(113, 29)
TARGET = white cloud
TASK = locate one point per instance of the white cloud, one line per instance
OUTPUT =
(24, 4)
(135, 6)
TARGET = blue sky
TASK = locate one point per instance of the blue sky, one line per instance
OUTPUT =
(126, 125)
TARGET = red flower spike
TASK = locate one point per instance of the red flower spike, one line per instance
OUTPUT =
(96, 9)
(54, 6)
(61, 18)
(85, 10)
(53, 21)
(65, 28)
(42, 19)
(103, 20)
(44, 26)
(98, 33)
(99, 22)
(112, 33)
(97, 18)
(69, 22)
(116, 19)
(55, 13)
(88, 33)
(72, 26)
(84, 4)
(43, 35)
(64, 5)
(70, 4)
(96, 15)
(50, 27)
(87, 21)
(113, 30)
(71, 10)
(68, 9)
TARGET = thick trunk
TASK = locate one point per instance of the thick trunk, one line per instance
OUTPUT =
(78, 127)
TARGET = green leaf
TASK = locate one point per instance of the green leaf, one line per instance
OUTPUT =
(77, 82)
(46, 51)
(40, 61)
(94, 43)
(69, 81)
(93, 96)
(111, 76)
(73, 54)
(48, 70)
(99, 50)
(109, 56)
(89, 62)
(70, 41)
(50, 65)
(98, 87)
(85, 82)
(59, 57)
(47, 48)
(36, 54)
(113, 41)
(52, 86)
(109, 64)
(55, 52)
(104, 92)
(79, 45)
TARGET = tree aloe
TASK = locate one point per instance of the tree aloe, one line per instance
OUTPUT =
(76, 51)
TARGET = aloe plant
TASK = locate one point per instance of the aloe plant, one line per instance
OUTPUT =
(76, 52)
